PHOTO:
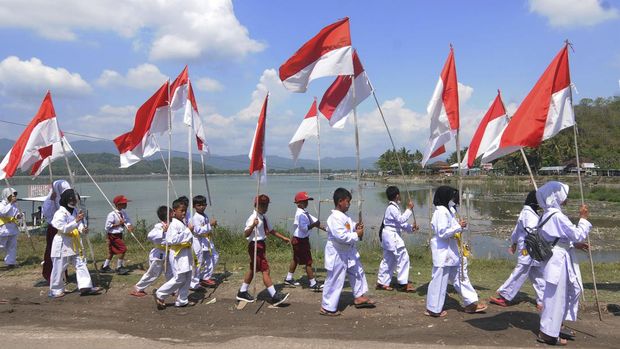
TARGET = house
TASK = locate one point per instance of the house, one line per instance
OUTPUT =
(552, 170)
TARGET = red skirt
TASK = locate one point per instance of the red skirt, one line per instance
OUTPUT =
(116, 245)
(261, 256)
(301, 251)
(47, 259)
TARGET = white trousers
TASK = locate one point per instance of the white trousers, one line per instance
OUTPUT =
(394, 261)
(560, 302)
(436, 295)
(156, 268)
(9, 245)
(335, 282)
(205, 266)
(521, 272)
(59, 265)
(180, 284)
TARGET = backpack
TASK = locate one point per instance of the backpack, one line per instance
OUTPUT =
(383, 226)
(537, 247)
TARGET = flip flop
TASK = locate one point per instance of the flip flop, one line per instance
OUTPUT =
(566, 333)
(161, 305)
(431, 314)
(329, 313)
(543, 338)
(365, 304)
(384, 287)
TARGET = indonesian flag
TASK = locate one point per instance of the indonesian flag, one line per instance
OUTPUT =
(257, 151)
(490, 127)
(182, 93)
(307, 129)
(329, 53)
(40, 133)
(151, 119)
(443, 110)
(545, 111)
(51, 153)
(337, 102)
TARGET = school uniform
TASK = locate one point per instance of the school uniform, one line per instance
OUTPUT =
(48, 209)
(446, 262)
(179, 241)
(67, 249)
(395, 255)
(562, 279)
(302, 254)
(526, 266)
(116, 245)
(258, 236)
(9, 230)
(204, 249)
(157, 257)
(342, 260)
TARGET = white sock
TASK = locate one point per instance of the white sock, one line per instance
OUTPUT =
(272, 290)
(289, 276)
(120, 263)
(312, 282)
(244, 287)
(106, 263)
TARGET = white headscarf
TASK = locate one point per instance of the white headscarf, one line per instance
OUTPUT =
(6, 192)
(551, 195)
(59, 186)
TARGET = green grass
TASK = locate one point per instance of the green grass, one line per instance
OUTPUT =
(599, 193)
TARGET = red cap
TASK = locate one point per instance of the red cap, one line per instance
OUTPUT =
(262, 199)
(302, 196)
(120, 199)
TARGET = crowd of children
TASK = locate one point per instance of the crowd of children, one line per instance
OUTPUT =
(185, 253)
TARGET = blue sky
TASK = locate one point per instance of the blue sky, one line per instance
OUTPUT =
(103, 59)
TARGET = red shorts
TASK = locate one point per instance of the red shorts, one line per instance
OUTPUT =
(301, 251)
(261, 257)
(116, 245)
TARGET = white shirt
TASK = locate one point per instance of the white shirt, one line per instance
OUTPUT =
(301, 222)
(393, 224)
(259, 230)
(444, 247)
(341, 241)
(156, 236)
(8, 210)
(527, 219)
(201, 226)
(114, 219)
(178, 233)
(64, 222)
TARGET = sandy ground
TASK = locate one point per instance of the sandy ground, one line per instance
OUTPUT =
(28, 318)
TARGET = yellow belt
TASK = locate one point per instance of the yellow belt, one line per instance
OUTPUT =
(6, 220)
(524, 252)
(176, 248)
(463, 249)
(75, 239)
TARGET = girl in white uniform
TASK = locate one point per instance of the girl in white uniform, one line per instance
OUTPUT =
(562, 287)
(9, 215)
(446, 258)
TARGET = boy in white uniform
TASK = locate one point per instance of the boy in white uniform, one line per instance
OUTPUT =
(203, 246)
(562, 288)
(67, 248)
(342, 259)
(9, 215)
(526, 265)
(179, 241)
(395, 255)
(50, 206)
(157, 236)
(446, 258)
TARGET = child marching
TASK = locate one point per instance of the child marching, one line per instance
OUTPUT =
(50, 206)
(115, 223)
(204, 249)
(9, 215)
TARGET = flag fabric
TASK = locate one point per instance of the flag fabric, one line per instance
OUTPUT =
(443, 110)
(544, 112)
(490, 127)
(257, 151)
(182, 92)
(329, 53)
(41, 132)
(308, 128)
(178, 90)
(337, 102)
(49, 154)
(151, 119)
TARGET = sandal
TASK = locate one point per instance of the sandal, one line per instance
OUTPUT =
(138, 293)
(161, 305)
(475, 308)
(364, 303)
(329, 313)
(543, 338)
(384, 288)
(567, 333)
(407, 288)
(431, 314)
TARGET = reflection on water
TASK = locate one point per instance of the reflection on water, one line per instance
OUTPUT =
(493, 210)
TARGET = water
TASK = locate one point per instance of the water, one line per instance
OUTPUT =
(493, 209)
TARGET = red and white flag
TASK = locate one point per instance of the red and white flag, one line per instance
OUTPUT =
(443, 110)
(151, 119)
(49, 154)
(329, 53)
(490, 127)
(182, 92)
(307, 129)
(40, 133)
(337, 102)
(545, 111)
(257, 151)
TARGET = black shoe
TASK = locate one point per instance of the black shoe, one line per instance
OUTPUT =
(278, 298)
(122, 271)
(291, 282)
(90, 291)
(245, 297)
(318, 287)
(106, 269)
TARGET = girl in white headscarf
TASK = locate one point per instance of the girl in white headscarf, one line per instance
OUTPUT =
(9, 215)
(50, 206)
(562, 288)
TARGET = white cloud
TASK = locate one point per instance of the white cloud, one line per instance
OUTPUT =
(573, 13)
(465, 93)
(108, 122)
(208, 85)
(31, 78)
(269, 82)
(174, 29)
(145, 76)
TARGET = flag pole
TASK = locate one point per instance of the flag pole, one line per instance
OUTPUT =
(204, 172)
(256, 231)
(174, 189)
(190, 160)
(357, 151)
(460, 185)
(318, 147)
(168, 174)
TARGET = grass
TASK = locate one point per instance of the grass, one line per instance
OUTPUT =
(600, 193)
(486, 275)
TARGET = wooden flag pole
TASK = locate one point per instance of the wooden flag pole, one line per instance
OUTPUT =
(169, 181)
(357, 152)
(460, 185)
(318, 151)
(174, 189)
(190, 163)
(529, 169)
(204, 173)
(256, 231)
